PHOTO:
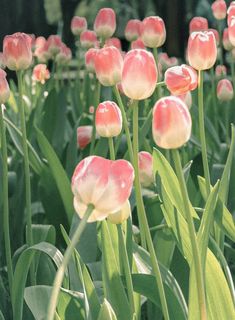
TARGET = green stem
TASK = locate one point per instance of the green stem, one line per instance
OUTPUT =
(111, 149)
(196, 260)
(202, 131)
(97, 100)
(213, 90)
(220, 28)
(159, 84)
(6, 228)
(143, 222)
(67, 256)
(227, 123)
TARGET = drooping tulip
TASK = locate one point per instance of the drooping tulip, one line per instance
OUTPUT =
(225, 90)
(132, 30)
(198, 24)
(40, 73)
(121, 215)
(139, 74)
(105, 23)
(88, 39)
(145, 163)
(4, 87)
(153, 32)
(172, 123)
(219, 9)
(104, 183)
(78, 25)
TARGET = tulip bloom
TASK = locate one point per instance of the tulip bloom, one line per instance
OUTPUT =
(226, 42)
(220, 70)
(4, 87)
(139, 74)
(121, 215)
(88, 39)
(84, 134)
(145, 162)
(186, 98)
(108, 119)
(64, 56)
(180, 79)
(108, 66)
(132, 30)
(224, 90)
(40, 73)
(113, 42)
(78, 25)
(54, 43)
(105, 23)
(216, 34)
(17, 51)
(219, 9)
(202, 50)
(172, 123)
(104, 183)
(90, 59)
(198, 24)
(230, 12)
(138, 44)
(231, 31)
(153, 32)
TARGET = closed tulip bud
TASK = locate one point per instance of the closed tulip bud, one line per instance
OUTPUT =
(88, 39)
(64, 56)
(219, 9)
(138, 44)
(84, 135)
(108, 66)
(121, 215)
(54, 43)
(224, 90)
(113, 42)
(198, 24)
(90, 59)
(78, 25)
(231, 31)
(180, 79)
(186, 98)
(153, 32)
(132, 30)
(145, 162)
(220, 71)
(202, 50)
(139, 74)
(40, 73)
(4, 87)
(226, 42)
(17, 51)
(171, 123)
(105, 23)
(104, 183)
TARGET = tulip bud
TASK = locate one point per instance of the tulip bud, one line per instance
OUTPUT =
(113, 42)
(105, 23)
(180, 79)
(54, 43)
(104, 183)
(138, 44)
(64, 56)
(17, 51)
(226, 42)
(121, 215)
(224, 90)
(40, 73)
(230, 12)
(153, 32)
(108, 66)
(108, 119)
(88, 39)
(231, 31)
(186, 98)
(171, 123)
(4, 87)
(139, 74)
(220, 71)
(84, 135)
(145, 162)
(90, 59)
(198, 24)
(219, 9)
(202, 50)
(78, 25)
(132, 30)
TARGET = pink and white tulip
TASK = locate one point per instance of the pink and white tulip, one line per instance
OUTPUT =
(78, 25)
(105, 23)
(88, 39)
(225, 90)
(153, 32)
(145, 162)
(132, 30)
(198, 24)
(84, 135)
(219, 9)
(4, 87)
(40, 73)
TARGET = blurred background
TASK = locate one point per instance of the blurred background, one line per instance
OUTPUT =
(45, 17)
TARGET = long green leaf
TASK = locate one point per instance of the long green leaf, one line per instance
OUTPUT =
(106, 312)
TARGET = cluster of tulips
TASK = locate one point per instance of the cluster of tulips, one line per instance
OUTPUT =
(109, 187)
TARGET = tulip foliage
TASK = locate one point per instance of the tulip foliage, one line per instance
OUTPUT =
(117, 173)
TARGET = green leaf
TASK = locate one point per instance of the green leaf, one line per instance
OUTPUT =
(106, 312)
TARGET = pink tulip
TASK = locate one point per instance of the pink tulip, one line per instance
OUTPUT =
(113, 42)
(137, 44)
(219, 9)
(108, 66)
(220, 70)
(64, 56)
(139, 74)
(230, 12)
(78, 25)
(216, 34)
(54, 43)
(104, 183)
(88, 39)
(17, 51)
(153, 32)
(4, 87)
(231, 31)
(186, 98)
(121, 215)
(180, 79)
(108, 119)
(90, 59)
(84, 134)
(132, 30)
(202, 50)
(105, 23)
(226, 42)
(167, 62)
(198, 24)
(40, 73)
(2, 61)
(171, 123)
(224, 90)
(145, 162)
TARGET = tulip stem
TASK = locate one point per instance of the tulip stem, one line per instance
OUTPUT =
(202, 131)
(192, 234)
(66, 258)
(111, 148)
(5, 200)
(97, 100)
(213, 90)
(143, 222)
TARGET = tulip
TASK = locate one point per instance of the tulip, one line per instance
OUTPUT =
(180, 79)
(216, 34)
(132, 30)
(4, 87)
(226, 42)
(84, 134)
(108, 66)
(105, 23)
(186, 98)
(198, 24)
(108, 119)
(145, 162)
(202, 50)
(172, 123)
(88, 39)
(153, 32)
(220, 70)
(230, 12)
(40, 73)
(231, 31)
(17, 51)
(219, 9)
(64, 56)
(78, 25)
(104, 183)
(167, 62)
(121, 215)
(137, 44)
(113, 42)
(41, 52)
(2, 61)
(90, 59)
(139, 74)
(54, 43)
(224, 90)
